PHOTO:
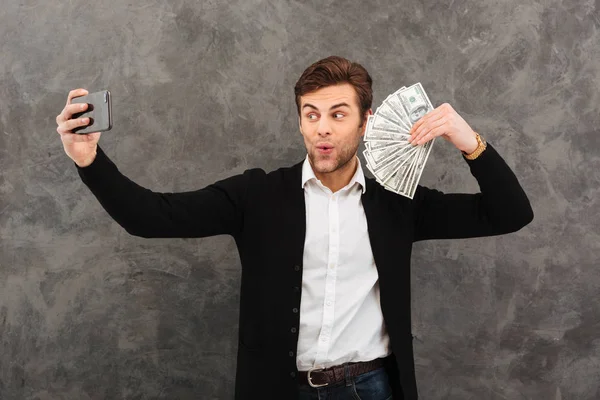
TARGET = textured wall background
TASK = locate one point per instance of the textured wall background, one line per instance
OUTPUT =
(203, 90)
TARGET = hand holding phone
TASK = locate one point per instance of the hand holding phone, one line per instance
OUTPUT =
(81, 148)
(99, 112)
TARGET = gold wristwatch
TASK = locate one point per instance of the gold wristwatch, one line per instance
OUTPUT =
(481, 146)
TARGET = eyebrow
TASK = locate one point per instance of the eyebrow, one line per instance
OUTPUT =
(331, 108)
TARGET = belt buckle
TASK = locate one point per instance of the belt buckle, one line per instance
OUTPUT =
(310, 382)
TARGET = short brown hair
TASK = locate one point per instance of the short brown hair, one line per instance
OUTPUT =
(336, 70)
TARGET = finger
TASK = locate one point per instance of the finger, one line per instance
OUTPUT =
(425, 129)
(440, 111)
(435, 113)
(416, 126)
(432, 134)
(68, 126)
(76, 93)
(430, 123)
(69, 110)
(74, 109)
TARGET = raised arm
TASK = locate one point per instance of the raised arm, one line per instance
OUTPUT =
(501, 207)
(214, 210)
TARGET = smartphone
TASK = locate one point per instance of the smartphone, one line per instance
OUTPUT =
(99, 112)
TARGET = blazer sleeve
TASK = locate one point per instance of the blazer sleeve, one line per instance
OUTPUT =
(501, 207)
(214, 210)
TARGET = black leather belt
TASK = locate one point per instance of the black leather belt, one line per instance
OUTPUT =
(318, 377)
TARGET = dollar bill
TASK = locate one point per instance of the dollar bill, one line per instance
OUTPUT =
(376, 145)
(395, 104)
(386, 130)
(409, 173)
(398, 170)
(410, 191)
(415, 102)
(382, 124)
(396, 163)
(396, 154)
(382, 152)
(386, 111)
(395, 179)
(389, 166)
(375, 158)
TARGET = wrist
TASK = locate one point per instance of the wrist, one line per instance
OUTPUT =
(86, 162)
(473, 153)
(471, 144)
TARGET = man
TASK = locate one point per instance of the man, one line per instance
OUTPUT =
(325, 252)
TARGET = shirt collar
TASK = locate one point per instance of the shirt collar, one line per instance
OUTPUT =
(358, 177)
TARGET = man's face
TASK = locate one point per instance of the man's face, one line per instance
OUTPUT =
(331, 126)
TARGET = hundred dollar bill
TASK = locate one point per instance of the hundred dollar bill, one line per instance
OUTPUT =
(383, 152)
(394, 180)
(373, 159)
(396, 163)
(385, 132)
(366, 155)
(375, 135)
(410, 191)
(406, 181)
(415, 102)
(374, 145)
(382, 173)
(382, 159)
(408, 186)
(382, 124)
(389, 166)
(395, 104)
(386, 172)
(387, 112)
(402, 154)
(409, 172)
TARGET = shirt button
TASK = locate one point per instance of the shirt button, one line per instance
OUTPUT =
(328, 303)
(293, 374)
(291, 353)
(295, 310)
(296, 267)
(293, 330)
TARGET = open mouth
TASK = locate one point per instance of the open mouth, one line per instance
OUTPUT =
(324, 148)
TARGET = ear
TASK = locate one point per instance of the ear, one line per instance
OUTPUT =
(364, 125)
(300, 125)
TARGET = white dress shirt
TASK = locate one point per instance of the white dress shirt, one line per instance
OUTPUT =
(340, 313)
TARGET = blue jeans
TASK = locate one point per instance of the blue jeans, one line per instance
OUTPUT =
(372, 385)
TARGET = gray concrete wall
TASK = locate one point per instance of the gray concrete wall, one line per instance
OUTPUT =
(203, 90)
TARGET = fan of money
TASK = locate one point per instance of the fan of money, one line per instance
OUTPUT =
(396, 163)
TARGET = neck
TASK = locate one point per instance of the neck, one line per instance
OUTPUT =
(339, 178)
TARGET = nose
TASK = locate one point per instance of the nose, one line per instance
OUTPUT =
(324, 127)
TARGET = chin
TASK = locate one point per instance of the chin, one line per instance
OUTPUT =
(324, 165)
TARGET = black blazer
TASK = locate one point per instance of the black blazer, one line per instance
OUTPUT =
(265, 214)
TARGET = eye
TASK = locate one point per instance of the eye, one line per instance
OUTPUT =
(338, 115)
(312, 116)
